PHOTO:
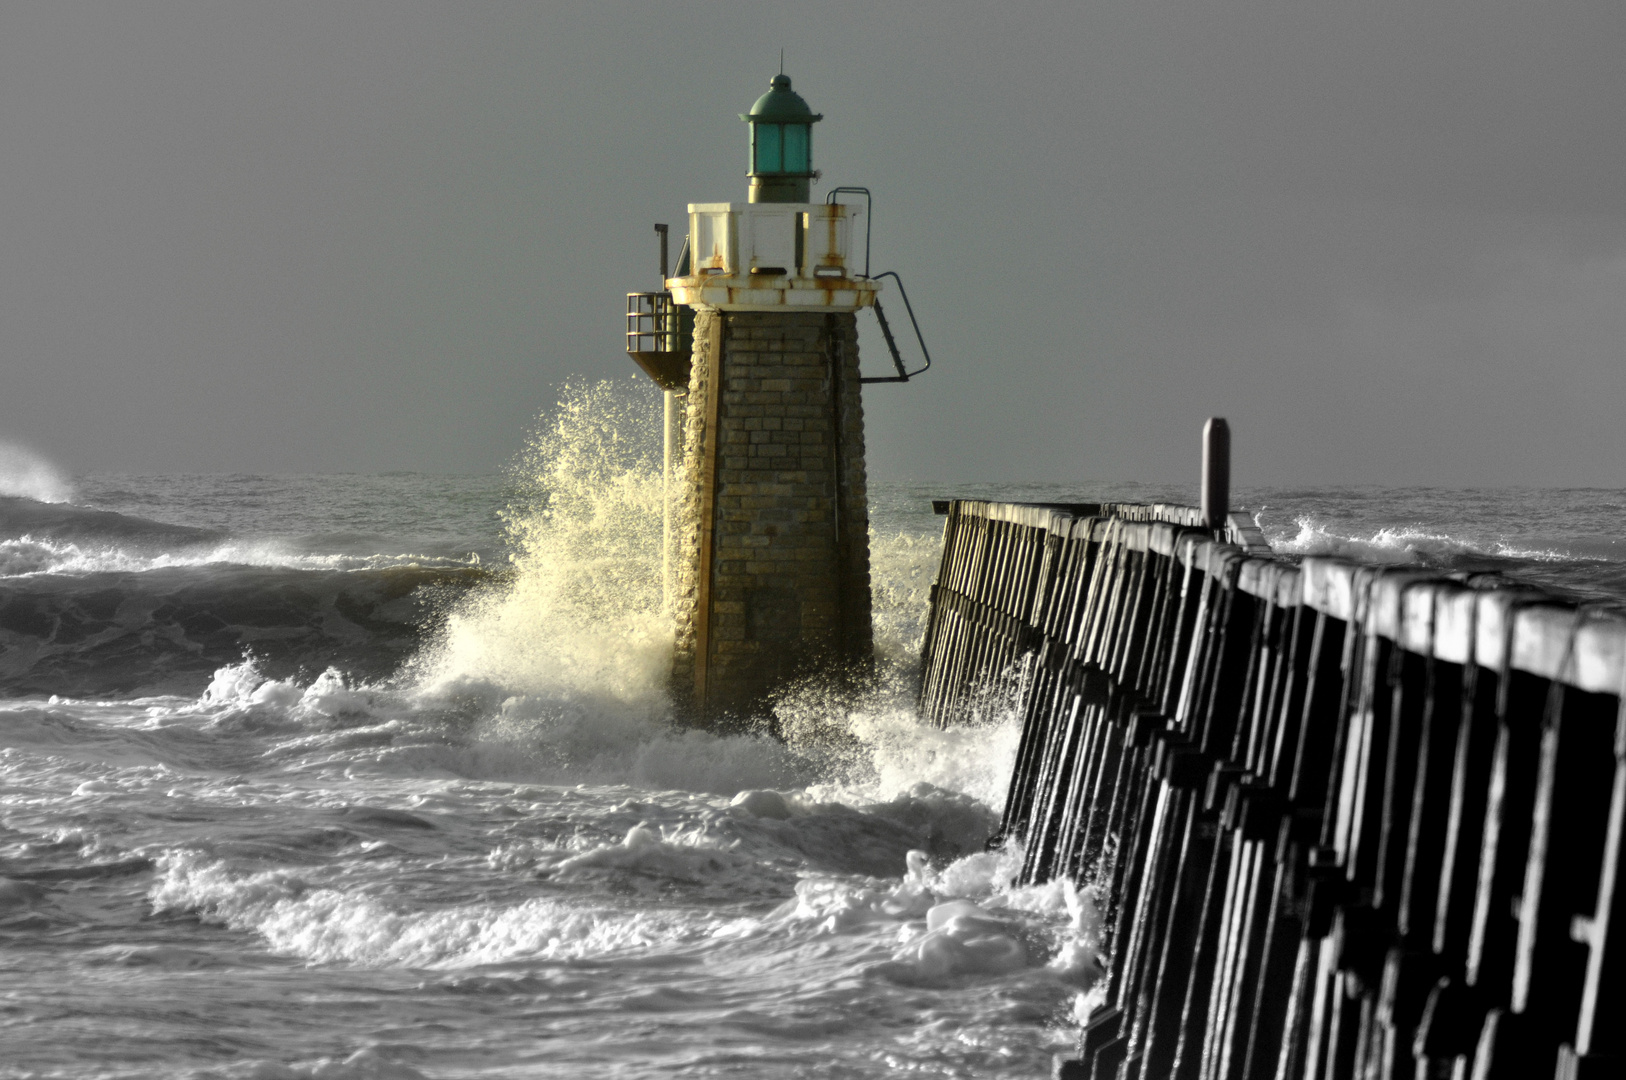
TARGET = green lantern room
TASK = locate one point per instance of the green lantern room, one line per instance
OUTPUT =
(781, 144)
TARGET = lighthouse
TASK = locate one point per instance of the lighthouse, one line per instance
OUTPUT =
(755, 340)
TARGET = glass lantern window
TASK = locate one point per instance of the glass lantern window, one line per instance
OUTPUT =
(770, 156)
(796, 157)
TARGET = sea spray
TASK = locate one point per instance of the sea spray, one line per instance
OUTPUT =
(28, 475)
(578, 615)
(902, 566)
(564, 658)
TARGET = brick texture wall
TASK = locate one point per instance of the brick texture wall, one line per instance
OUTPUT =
(772, 545)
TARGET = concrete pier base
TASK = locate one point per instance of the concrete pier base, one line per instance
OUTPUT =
(770, 577)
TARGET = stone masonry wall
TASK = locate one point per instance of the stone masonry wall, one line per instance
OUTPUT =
(788, 590)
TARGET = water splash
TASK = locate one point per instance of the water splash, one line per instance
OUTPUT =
(576, 621)
(25, 473)
(563, 660)
(902, 565)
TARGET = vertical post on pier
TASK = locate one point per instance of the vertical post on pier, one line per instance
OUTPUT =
(1216, 502)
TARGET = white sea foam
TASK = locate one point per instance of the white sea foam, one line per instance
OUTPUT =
(243, 686)
(963, 921)
(691, 857)
(859, 750)
(892, 752)
(323, 923)
(966, 919)
(25, 473)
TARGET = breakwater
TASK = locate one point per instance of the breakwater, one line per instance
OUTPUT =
(1342, 820)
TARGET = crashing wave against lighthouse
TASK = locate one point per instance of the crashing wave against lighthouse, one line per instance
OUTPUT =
(432, 765)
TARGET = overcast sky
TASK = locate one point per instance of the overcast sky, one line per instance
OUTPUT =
(1386, 240)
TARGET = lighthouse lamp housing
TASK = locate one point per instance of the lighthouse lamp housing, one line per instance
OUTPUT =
(781, 144)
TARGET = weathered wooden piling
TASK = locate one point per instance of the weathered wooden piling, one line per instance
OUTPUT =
(1345, 821)
(1216, 495)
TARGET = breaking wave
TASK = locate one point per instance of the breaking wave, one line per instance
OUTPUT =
(332, 924)
(169, 630)
(963, 919)
(1400, 545)
(28, 555)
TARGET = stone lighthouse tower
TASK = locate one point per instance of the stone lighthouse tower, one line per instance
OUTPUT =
(769, 536)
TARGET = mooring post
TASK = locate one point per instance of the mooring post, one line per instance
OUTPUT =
(1216, 473)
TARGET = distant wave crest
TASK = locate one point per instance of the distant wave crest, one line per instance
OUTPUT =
(53, 538)
(92, 634)
(1400, 545)
(25, 555)
(41, 520)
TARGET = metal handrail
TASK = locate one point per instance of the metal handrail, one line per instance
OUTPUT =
(903, 375)
(869, 213)
(651, 317)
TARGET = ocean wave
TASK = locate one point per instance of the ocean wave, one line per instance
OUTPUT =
(169, 629)
(61, 521)
(894, 783)
(902, 567)
(28, 555)
(964, 919)
(758, 845)
(327, 923)
(47, 538)
(1401, 545)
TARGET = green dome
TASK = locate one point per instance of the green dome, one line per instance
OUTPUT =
(781, 105)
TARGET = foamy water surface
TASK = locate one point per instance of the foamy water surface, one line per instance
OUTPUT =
(377, 777)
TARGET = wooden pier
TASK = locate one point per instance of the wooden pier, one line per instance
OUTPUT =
(1346, 821)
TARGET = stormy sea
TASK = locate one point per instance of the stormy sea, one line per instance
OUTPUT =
(377, 776)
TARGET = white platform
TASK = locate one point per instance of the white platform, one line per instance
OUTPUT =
(743, 257)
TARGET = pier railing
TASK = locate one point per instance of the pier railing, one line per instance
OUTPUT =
(1345, 821)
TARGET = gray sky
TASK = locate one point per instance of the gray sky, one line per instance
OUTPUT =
(1387, 240)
